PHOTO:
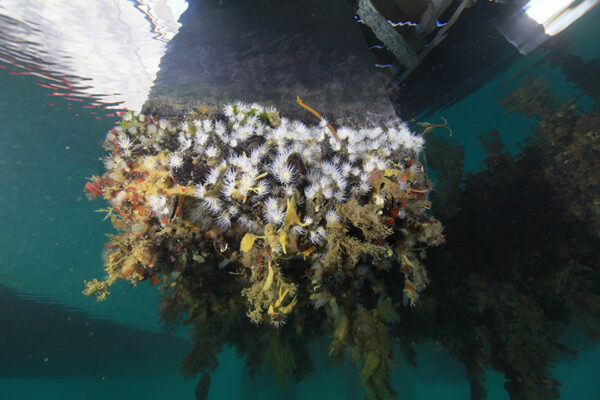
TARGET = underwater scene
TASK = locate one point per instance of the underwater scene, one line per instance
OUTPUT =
(309, 199)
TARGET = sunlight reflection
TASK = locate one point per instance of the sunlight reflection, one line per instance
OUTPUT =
(105, 53)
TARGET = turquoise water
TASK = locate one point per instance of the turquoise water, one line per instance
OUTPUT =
(51, 240)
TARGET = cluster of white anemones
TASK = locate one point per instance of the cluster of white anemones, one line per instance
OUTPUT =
(254, 165)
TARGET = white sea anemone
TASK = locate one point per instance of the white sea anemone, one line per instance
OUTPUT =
(274, 212)
(311, 191)
(298, 230)
(185, 143)
(256, 156)
(124, 142)
(200, 191)
(332, 217)
(211, 152)
(207, 125)
(149, 163)
(284, 173)
(175, 161)
(364, 188)
(288, 191)
(157, 203)
(247, 223)
(318, 235)
(340, 196)
(327, 192)
(213, 176)
(228, 110)
(212, 203)
(164, 124)
(233, 210)
(228, 188)
(223, 221)
(262, 189)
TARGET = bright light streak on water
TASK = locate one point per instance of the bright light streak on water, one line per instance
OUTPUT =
(556, 15)
(99, 52)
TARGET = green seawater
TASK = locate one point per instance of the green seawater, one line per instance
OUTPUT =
(51, 240)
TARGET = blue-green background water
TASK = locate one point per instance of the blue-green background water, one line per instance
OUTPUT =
(51, 240)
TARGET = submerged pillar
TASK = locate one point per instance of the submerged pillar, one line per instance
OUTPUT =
(266, 223)
(269, 52)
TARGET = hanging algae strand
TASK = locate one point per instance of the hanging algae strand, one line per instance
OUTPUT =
(323, 120)
(242, 211)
